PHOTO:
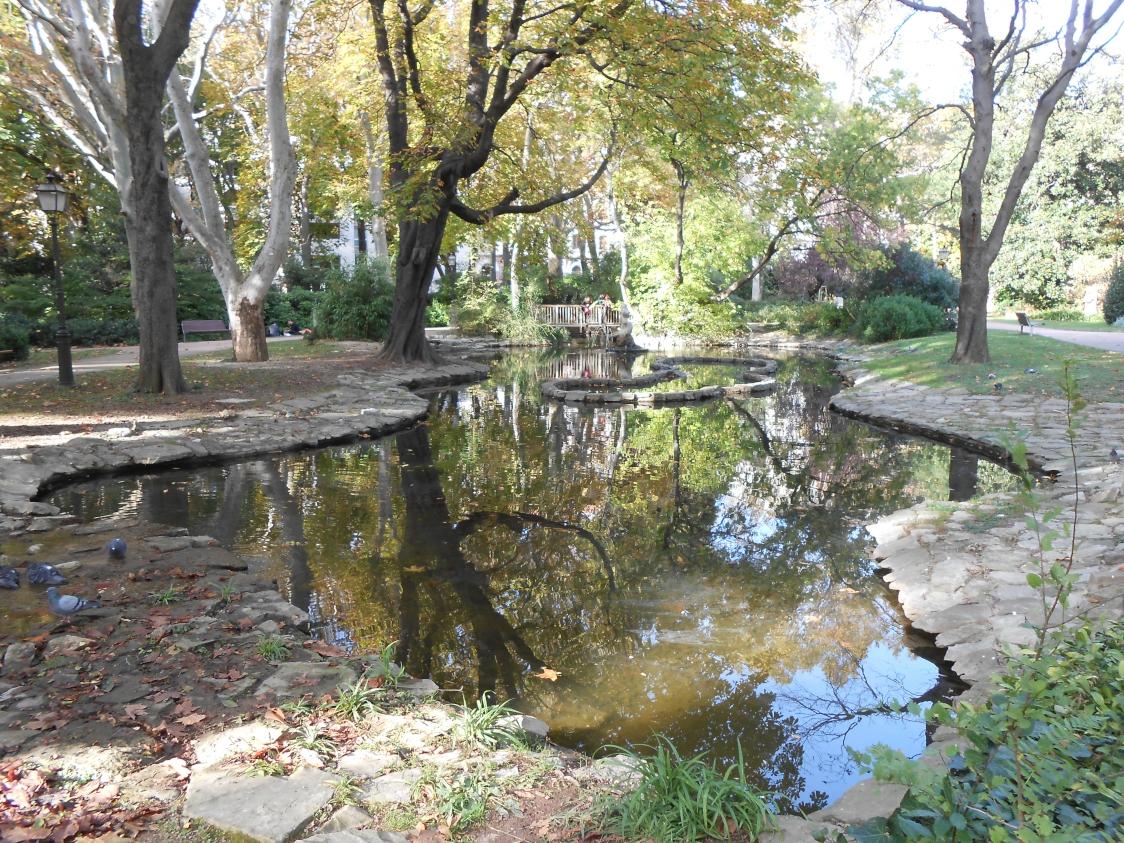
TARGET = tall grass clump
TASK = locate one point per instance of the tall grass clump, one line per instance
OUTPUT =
(678, 800)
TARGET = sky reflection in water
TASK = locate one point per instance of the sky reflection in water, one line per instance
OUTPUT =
(700, 572)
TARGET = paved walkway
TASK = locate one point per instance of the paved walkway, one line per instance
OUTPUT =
(1104, 340)
(118, 358)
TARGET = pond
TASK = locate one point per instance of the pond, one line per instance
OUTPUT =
(701, 572)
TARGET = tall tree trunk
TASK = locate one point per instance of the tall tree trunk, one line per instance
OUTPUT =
(683, 182)
(419, 243)
(148, 215)
(591, 243)
(304, 225)
(379, 247)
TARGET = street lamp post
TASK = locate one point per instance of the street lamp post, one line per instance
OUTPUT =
(53, 199)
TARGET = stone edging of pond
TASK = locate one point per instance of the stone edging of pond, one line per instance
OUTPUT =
(960, 568)
(614, 390)
(177, 704)
(366, 404)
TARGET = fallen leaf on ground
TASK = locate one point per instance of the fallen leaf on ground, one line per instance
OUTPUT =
(192, 719)
(548, 673)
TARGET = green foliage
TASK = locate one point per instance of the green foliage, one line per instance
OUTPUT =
(437, 314)
(297, 305)
(898, 318)
(686, 799)
(460, 800)
(392, 672)
(97, 332)
(802, 317)
(272, 649)
(298, 276)
(1060, 314)
(483, 308)
(482, 724)
(911, 273)
(14, 336)
(1042, 760)
(358, 700)
(356, 305)
(1114, 296)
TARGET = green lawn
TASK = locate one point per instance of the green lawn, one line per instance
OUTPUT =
(1100, 374)
(1066, 325)
(39, 357)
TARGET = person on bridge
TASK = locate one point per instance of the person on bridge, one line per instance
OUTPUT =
(603, 305)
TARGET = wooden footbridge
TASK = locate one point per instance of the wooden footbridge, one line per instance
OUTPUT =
(579, 318)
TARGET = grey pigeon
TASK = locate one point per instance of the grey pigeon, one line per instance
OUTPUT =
(9, 577)
(40, 573)
(67, 604)
(1114, 455)
(1031, 370)
(997, 386)
(992, 376)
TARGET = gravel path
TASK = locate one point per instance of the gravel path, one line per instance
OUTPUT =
(1104, 340)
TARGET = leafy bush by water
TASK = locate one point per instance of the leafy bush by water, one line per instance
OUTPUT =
(356, 305)
(898, 318)
(686, 799)
(1043, 759)
(913, 274)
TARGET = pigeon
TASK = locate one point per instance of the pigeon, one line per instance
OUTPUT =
(9, 577)
(116, 548)
(997, 386)
(40, 573)
(1114, 455)
(67, 604)
(1031, 370)
(992, 376)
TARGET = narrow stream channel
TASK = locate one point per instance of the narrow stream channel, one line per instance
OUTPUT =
(699, 572)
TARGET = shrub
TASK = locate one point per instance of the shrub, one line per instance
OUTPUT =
(1114, 296)
(437, 315)
(1061, 314)
(686, 799)
(1042, 759)
(14, 336)
(99, 332)
(480, 304)
(356, 305)
(911, 273)
(823, 318)
(898, 318)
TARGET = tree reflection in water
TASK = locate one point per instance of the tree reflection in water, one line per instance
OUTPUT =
(700, 572)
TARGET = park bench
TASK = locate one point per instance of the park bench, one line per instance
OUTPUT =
(203, 326)
(1024, 322)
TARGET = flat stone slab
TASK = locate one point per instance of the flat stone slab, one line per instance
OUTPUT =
(397, 788)
(353, 836)
(863, 801)
(267, 809)
(296, 679)
(221, 746)
(366, 762)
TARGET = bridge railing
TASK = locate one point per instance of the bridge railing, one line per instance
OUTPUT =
(574, 315)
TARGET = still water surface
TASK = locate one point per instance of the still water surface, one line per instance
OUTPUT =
(701, 572)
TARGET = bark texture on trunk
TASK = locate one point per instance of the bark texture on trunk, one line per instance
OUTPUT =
(419, 243)
(248, 331)
(682, 183)
(148, 215)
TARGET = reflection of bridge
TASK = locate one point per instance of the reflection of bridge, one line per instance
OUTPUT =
(574, 316)
(585, 363)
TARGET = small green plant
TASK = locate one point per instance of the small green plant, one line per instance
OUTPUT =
(461, 801)
(346, 790)
(686, 799)
(298, 708)
(310, 737)
(358, 700)
(272, 649)
(266, 767)
(167, 597)
(225, 590)
(482, 724)
(388, 669)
